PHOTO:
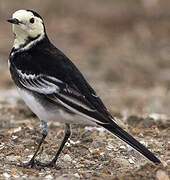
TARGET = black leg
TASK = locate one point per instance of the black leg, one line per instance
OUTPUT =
(44, 132)
(66, 136)
(53, 162)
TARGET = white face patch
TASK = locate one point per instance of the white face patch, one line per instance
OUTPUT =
(30, 27)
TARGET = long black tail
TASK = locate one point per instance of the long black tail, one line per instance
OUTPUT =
(123, 135)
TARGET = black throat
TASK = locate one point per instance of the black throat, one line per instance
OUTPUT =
(29, 40)
(42, 41)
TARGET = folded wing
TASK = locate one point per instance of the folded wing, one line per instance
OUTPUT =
(57, 90)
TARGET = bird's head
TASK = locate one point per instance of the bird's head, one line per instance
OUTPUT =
(28, 28)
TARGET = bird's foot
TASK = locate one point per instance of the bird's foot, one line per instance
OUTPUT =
(33, 163)
(48, 164)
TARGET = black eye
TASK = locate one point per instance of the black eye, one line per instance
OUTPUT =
(32, 20)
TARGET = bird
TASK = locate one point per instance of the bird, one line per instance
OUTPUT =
(53, 87)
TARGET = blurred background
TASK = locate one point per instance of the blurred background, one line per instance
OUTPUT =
(122, 47)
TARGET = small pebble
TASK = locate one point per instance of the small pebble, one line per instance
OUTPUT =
(12, 158)
(16, 129)
(67, 158)
(30, 156)
(161, 175)
(14, 137)
(67, 144)
(122, 147)
(157, 116)
(95, 151)
(131, 161)
(110, 147)
(74, 142)
(77, 175)
(6, 175)
(49, 177)
(74, 162)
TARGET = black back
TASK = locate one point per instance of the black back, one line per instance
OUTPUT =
(45, 58)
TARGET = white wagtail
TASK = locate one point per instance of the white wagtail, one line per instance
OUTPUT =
(51, 85)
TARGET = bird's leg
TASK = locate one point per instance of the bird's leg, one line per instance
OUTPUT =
(53, 162)
(44, 132)
(66, 136)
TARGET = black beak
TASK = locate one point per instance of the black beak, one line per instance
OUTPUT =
(14, 21)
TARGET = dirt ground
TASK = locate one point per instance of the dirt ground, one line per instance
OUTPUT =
(123, 49)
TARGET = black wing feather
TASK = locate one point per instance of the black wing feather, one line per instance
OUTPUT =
(52, 62)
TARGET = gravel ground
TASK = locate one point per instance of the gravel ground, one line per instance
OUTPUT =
(91, 152)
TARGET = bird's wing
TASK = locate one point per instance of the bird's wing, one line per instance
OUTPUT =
(60, 92)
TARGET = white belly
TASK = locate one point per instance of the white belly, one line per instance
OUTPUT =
(55, 114)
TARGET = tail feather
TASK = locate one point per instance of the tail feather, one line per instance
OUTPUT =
(123, 135)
